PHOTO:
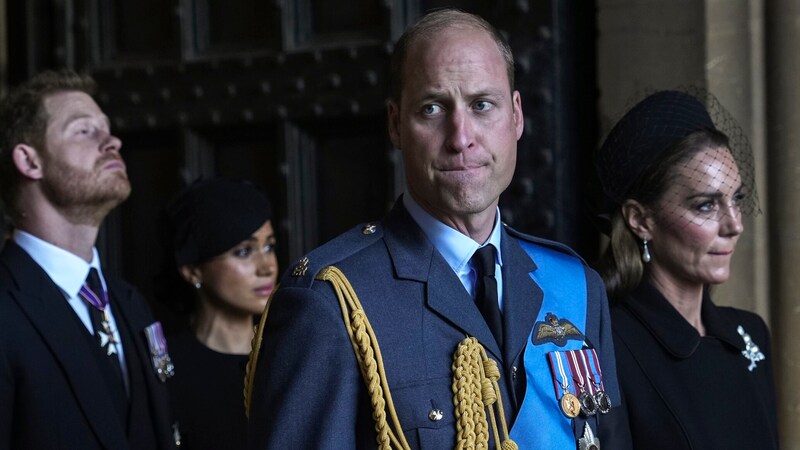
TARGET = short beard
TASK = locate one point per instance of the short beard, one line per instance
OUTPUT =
(85, 197)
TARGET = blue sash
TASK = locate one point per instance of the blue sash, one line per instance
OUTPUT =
(540, 424)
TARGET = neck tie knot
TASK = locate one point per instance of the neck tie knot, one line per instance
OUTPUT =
(483, 261)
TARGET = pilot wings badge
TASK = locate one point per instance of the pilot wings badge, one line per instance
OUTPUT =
(555, 330)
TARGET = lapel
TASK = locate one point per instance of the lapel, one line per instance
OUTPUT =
(48, 311)
(121, 304)
(522, 297)
(124, 301)
(415, 258)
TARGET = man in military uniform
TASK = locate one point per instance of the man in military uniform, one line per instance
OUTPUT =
(385, 362)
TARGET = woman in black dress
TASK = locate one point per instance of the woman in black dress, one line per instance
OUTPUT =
(220, 234)
(693, 375)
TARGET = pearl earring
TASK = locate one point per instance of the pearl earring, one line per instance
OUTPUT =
(197, 285)
(645, 252)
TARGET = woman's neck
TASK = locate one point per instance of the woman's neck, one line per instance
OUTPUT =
(224, 333)
(687, 298)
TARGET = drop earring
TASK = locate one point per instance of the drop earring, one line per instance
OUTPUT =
(645, 252)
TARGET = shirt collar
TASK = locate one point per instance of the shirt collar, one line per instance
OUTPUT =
(456, 248)
(67, 270)
(670, 328)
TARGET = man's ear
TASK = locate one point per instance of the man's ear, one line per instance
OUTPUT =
(519, 118)
(393, 113)
(28, 161)
(638, 218)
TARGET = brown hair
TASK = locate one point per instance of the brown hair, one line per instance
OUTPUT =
(620, 265)
(432, 23)
(23, 120)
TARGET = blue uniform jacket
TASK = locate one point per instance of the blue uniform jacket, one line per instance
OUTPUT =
(308, 391)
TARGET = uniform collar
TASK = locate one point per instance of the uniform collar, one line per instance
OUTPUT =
(671, 330)
(456, 248)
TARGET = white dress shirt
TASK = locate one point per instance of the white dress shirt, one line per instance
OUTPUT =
(457, 248)
(69, 271)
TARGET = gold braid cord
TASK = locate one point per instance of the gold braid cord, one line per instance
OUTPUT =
(252, 361)
(475, 391)
(475, 378)
(368, 353)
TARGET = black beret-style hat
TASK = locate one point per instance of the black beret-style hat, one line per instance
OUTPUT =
(211, 216)
(643, 134)
(644, 137)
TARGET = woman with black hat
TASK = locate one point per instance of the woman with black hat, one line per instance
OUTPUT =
(220, 234)
(692, 374)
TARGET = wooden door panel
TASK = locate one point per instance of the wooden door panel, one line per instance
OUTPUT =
(292, 95)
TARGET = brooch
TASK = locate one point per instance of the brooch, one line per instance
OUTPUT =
(751, 351)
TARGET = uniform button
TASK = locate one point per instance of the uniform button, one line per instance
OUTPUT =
(513, 373)
(369, 228)
(435, 415)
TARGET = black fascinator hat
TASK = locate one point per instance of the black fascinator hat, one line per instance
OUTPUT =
(646, 134)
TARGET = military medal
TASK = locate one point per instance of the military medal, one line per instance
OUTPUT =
(603, 402)
(162, 363)
(588, 405)
(107, 339)
(588, 441)
(602, 399)
(570, 405)
(105, 335)
(751, 350)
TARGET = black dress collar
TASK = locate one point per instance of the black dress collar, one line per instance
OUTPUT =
(671, 330)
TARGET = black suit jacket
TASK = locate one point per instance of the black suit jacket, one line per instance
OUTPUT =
(49, 396)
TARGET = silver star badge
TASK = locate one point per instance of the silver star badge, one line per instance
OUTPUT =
(108, 342)
(588, 441)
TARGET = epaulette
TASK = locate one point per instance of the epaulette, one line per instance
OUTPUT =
(303, 271)
(542, 241)
(303, 274)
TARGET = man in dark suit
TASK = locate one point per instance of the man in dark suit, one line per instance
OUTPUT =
(438, 271)
(82, 364)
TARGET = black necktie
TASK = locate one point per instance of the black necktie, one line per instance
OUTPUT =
(486, 290)
(98, 301)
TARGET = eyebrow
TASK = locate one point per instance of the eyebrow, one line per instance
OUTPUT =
(714, 194)
(82, 115)
(255, 239)
(433, 94)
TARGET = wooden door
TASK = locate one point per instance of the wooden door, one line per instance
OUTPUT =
(291, 94)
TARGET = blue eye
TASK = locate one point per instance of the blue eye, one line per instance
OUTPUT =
(482, 105)
(431, 109)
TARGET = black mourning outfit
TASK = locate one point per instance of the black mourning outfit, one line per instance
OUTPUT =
(684, 391)
(207, 395)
